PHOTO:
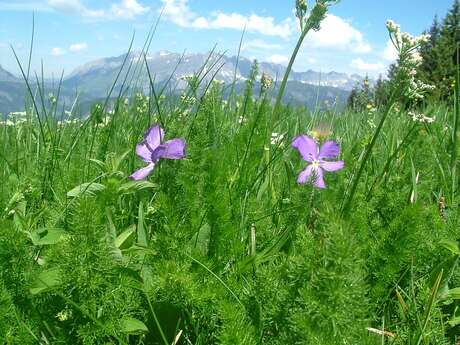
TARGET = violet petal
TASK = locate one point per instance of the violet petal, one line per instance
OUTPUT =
(307, 147)
(330, 149)
(144, 152)
(154, 136)
(318, 176)
(175, 149)
(305, 175)
(141, 174)
(332, 166)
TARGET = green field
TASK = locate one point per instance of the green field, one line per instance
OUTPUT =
(225, 246)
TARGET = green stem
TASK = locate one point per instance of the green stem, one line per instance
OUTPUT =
(367, 154)
(288, 72)
(317, 14)
(390, 159)
(453, 162)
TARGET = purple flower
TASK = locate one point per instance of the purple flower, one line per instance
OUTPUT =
(308, 148)
(151, 150)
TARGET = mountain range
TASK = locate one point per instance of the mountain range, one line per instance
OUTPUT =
(93, 80)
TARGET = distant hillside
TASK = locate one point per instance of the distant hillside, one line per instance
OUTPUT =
(92, 80)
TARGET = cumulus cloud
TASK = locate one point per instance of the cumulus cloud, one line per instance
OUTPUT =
(335, 32)
(180, 13)
(126, 9)
(281, 59)
(390, 53)
(78, 47)
(129, 9)
(361, 65)
(57, 51)
(75, 7)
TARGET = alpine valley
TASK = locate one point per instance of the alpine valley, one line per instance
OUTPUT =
(92, 81)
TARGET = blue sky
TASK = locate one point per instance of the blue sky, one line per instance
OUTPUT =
(353, 38)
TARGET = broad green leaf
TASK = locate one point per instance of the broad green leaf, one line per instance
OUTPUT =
(101, 165)
(86, 189)
(125, 238)
(43, 237)
(134, 186)
(453, 294)
(46, 280)
(132, 325)
(200, 241)
(113, 162)
(451, 246)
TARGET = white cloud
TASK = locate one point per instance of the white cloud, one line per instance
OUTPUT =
(180, 13)
(390, 53)
(57, 51)
(338, 33)
(75, 7)
(129, 9)
(260, 45)
(280, 59)
(78, 47)
(126, 9)
(361, 65)
(311, 60)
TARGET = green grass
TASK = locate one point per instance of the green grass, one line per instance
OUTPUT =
(225, 247)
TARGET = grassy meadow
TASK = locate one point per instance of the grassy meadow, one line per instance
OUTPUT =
(225, 246)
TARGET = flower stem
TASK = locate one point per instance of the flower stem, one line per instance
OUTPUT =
(317, 14)
(282, 89)
(349, 198)
(453, 156)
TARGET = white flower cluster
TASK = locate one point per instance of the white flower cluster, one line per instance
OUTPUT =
(242, 120)
(69, 122)
(266, 81)
(52, 98)
(188, 100)
(408, 48)
(416, 117)
(277, 138)
(142, 102)
(404, 37)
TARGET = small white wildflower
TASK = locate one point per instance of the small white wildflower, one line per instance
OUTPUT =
(64, 315)
(242, 120)
(277, 138)
(392, 26)
(421, 118)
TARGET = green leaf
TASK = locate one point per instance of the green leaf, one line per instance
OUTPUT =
(123, 240)
(454, 321)
(43, 237)
(200, 241)
(453, 294)
(86, 189)
(451, 246)
(134, 186)
(101, 165)
(46, 280)
(132, 325)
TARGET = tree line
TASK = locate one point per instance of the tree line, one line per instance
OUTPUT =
(439, 66)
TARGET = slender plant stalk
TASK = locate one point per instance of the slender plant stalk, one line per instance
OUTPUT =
(453, 162)
(389, 160)
(282, 90)
(367, 154)
(317, 15)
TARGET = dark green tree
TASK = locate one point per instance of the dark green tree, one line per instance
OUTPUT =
(441, 53)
